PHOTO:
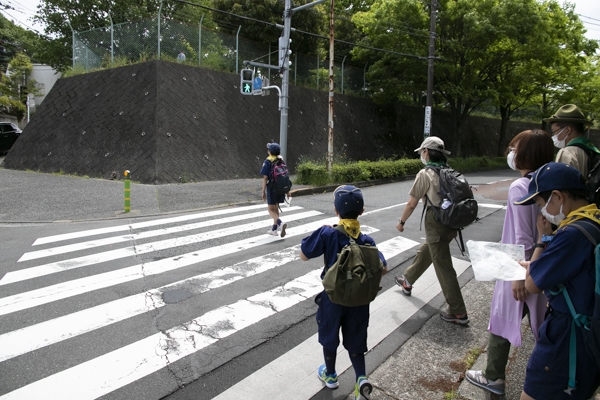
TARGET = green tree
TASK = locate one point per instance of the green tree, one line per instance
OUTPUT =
(313, 20)
(544, 46)
(59, 16)
(485, 49)
(15, 85)
(15, 39)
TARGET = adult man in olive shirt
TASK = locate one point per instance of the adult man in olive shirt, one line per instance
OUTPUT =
(567, 127)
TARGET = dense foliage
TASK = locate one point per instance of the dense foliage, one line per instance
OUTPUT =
(315, 173)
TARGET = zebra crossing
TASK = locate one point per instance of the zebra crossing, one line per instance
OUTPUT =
(108, 294)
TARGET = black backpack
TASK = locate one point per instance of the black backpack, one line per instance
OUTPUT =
(280, 178)
(459, 208)
(590, 325)
(593, 176)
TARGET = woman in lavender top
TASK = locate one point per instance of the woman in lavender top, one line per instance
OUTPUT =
(526, 152)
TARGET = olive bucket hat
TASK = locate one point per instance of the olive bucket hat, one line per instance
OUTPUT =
(569, 113)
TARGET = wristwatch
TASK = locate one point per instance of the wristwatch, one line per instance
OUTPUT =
(402, 222)
(539, 246)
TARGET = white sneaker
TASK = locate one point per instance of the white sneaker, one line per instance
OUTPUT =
(272, 233)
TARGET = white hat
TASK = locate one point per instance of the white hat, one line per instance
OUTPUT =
(433, 143)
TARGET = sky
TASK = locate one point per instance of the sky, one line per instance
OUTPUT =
(588, 10)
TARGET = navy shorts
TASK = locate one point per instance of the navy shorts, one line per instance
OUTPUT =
(274, 198)
(354, 322)
(547, 375)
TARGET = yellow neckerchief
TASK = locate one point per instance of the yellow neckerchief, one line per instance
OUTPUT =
(590, 212)
(272, 158)
(351, 226)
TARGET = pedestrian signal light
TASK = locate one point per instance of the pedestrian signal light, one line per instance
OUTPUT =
(246, 81)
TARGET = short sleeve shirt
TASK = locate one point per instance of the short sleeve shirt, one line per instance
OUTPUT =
(266, 168)
(427, 183)
(329, 241)
(568, 260)
(575, 157)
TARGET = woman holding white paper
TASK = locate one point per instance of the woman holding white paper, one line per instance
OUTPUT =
(526, 152)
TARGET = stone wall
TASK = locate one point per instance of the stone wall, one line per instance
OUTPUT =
(167, 122)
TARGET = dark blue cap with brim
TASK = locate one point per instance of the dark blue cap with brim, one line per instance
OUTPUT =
(549, 177)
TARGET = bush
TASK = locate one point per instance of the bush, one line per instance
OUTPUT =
(314, 173)
(12, 107)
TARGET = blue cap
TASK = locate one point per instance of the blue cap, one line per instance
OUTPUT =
(552, 176)
(274, 148)
(348, 199)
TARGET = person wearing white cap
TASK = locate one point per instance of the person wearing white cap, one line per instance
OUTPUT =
(436, 248)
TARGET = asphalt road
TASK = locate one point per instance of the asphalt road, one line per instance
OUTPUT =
(152, 304)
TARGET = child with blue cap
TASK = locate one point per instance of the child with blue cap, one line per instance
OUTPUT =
(268, 192)
(353, 321)
(562, 261)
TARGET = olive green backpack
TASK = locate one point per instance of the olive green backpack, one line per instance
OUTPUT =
(353, 280)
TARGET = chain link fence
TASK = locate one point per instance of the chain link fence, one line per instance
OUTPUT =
(135, 41)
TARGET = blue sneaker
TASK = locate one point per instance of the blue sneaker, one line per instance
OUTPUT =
(362, 388)
(331, 381)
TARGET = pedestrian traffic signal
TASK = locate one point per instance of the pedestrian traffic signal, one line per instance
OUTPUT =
(246, 81)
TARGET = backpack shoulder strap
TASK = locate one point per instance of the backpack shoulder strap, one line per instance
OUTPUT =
(589, 229)
(583, 147)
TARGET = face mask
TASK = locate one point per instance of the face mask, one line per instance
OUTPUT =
(423, 159)
(510, 160)
(553, 219)
(559, 143)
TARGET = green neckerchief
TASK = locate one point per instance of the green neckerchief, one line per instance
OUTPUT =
(437, 164)
(584, 141)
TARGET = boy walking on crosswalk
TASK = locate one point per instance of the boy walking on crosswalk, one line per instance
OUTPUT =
(269, 194)
(331, 317)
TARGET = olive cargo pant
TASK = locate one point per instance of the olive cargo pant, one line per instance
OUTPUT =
(436, 250)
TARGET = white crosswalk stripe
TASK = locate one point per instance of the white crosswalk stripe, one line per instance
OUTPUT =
(103, 266)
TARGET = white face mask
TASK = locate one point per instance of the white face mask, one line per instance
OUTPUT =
(553, 219)
(559, 143)
(423, 160)
(510, 160)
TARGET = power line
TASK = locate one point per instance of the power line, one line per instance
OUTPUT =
(585, 16)
(304, 32)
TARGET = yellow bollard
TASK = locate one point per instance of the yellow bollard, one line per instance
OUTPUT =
(127, 191)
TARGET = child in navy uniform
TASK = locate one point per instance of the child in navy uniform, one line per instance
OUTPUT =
(268, 192)
(563, 258)
(331, 317)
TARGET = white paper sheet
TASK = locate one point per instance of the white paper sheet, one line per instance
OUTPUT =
(496, 261)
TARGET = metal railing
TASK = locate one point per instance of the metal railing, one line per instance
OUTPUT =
(134, 41)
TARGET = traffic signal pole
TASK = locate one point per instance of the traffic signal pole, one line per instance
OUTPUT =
(284, 68)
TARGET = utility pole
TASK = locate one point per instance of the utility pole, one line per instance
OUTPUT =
(284, 69)
(430, 59)
(285, 80)
(331, 87)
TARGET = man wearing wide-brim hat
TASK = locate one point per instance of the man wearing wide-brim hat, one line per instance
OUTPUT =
(567, 126)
